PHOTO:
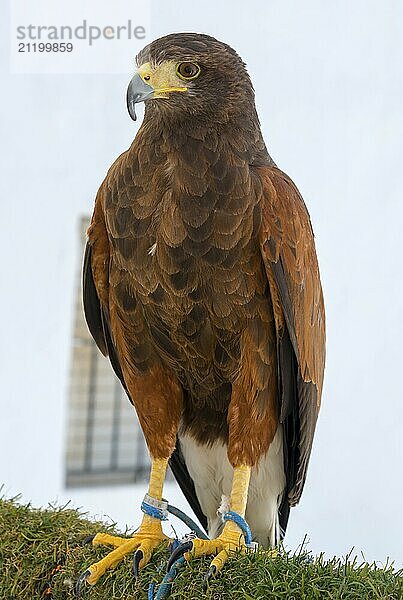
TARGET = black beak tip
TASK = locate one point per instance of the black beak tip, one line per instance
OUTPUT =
(131, 108)
(138, 91)
(133, 115)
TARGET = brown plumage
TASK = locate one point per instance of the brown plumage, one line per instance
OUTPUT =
(201, 280)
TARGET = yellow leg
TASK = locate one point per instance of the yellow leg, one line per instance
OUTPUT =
(145, 540)
(231, 538)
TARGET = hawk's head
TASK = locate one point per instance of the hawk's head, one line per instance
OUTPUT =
(190, 74)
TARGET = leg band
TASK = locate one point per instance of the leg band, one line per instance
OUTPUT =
(242, 524)
(155, 508)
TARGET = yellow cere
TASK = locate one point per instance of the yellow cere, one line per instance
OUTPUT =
(162, 78)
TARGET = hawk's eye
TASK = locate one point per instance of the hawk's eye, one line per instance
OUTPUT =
(187, 70)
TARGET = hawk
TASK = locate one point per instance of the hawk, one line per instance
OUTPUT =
(201, 284)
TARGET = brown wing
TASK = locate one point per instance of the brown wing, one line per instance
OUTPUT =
(96, 286)
(289, 255)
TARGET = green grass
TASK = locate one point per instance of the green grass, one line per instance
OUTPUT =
(34, 542)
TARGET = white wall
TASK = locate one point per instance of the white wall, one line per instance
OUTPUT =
(329, 90)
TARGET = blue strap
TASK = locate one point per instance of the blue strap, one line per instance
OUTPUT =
(187, 521)
(164, 589)
(175, 544)
(242, 524)
(153, 511)
(150, 594)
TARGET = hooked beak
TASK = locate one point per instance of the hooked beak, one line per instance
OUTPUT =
(138, 91)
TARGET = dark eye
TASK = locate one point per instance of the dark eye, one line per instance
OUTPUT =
(188, 70)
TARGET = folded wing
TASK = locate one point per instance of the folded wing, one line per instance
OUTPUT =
(288, 250)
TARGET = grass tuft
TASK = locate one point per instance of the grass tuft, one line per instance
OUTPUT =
(41, 556)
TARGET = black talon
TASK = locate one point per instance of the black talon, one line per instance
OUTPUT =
(137, 558)
(208, 576)
(80, 581)
(88, 539)
(178, 552)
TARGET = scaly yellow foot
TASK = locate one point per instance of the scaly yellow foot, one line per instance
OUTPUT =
(144, 541)
(230, 542)
(227, 545)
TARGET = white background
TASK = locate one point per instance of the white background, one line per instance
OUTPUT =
(328, 79)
